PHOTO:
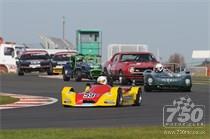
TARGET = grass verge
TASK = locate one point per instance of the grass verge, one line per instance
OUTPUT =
(7, 99)
(201, 80)
(107, 133)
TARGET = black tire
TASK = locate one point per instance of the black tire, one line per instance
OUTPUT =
(105, 72)
(65, 78)
(138, 100)
(119, 98)
(20, 72)
(147, 89)
(110, 80)
(78, 75)
(188, 89)
(50, 71)
(66, 106)
(122, 79)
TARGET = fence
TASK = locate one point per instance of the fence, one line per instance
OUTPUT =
(200, 71)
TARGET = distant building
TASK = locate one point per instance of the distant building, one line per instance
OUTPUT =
(204, 67)
(201, 54)
(55, 43)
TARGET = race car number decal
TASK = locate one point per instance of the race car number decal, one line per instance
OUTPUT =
(169, 80)
(89, 95)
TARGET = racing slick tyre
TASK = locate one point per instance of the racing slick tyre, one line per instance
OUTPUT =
(110, 80)
(119, 101)
(20, 72)
(66, 78)
(147, 89)
(122, 79)
(78, 76)
(138, 100)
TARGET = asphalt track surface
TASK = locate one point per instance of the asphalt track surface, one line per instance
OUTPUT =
(56, 116)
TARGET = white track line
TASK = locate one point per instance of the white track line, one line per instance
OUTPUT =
(52, 76)
(27, 101)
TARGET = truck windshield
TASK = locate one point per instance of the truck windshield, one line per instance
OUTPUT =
(34, 56)
(137, 58)
(61, 58)
(19, 50)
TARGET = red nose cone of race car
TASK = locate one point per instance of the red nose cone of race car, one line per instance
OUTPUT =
(93, 95)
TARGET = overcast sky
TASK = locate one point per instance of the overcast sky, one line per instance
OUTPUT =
(170, 25)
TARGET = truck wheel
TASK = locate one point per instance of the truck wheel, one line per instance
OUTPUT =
(138, 100)
(20, 72)
(3, 69)
(119, 101)
(78, 76)
(122, 79)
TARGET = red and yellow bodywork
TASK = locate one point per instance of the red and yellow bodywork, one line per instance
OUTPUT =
(99, 95)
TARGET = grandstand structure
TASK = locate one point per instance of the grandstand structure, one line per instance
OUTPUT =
(201, 54)
(204, 68)
(55, 43)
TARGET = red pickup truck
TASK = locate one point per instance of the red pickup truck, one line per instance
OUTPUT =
(129, 66)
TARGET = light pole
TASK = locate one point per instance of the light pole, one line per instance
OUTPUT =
(63, 21)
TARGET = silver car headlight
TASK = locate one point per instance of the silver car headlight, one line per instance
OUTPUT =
(150, 80)
(187, 81)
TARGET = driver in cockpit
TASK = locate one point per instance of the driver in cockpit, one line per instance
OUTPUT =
(160, 69)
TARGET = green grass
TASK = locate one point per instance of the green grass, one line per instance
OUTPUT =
(7, 100)
(102, 133)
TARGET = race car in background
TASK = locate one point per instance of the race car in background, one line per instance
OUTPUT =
(82, 66)
(33, 60)
(58, 60)
(101, 95)
(128, 67)
(166, 79)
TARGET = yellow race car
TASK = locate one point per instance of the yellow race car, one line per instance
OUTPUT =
(101, 95)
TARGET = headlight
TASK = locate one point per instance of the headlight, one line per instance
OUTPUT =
(187, 81)
(131, 69)
(150, 80)
(179, 75)
(66, 71)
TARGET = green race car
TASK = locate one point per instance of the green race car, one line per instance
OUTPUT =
(82, 66)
